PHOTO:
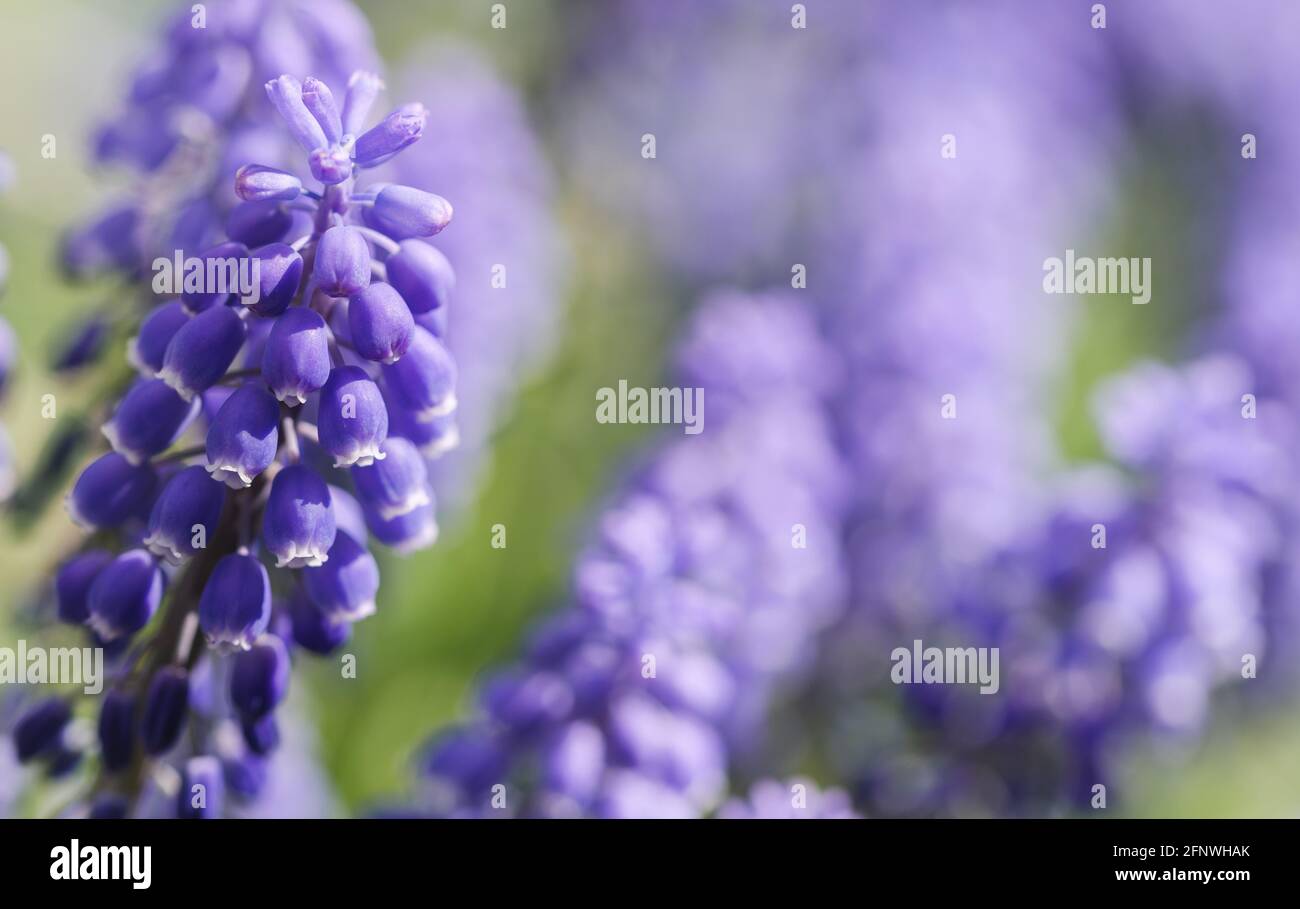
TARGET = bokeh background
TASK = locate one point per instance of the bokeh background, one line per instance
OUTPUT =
(450, 615)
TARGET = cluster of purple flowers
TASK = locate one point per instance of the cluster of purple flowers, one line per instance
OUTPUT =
(273, 430)
(853, 186)
(951, 348)
(1143, 588)
(709, 579)
(197, 114)
(1103, 649)
(971, 145)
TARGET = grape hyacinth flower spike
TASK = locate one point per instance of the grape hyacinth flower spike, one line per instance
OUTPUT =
(575, 727)
(251, 462)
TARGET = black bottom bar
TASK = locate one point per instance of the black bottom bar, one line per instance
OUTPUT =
(332, 858)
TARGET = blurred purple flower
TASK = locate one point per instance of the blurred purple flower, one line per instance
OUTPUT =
(506, 248)
(702, 594)
(961, 148)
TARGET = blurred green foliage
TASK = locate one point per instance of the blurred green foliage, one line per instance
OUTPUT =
(458, 611)
(1159, 207)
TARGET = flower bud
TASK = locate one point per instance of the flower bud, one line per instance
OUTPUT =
(363, 89)
(72, 584)
(202, 350)
(422, 275)
(148, 420)
(286, 96)
(245, 773)
(380, 323)
(592, 669)
(165, 706)
(39, 731)
(117, 730)
(217, 259)
(471, 758)
(434, 322)
(573, 761)
(125, 595)
(298, 523)
(330, 165)
(526, 701)
(235, 606)
(313, 629)
(397, 484)
(243, 437)
(131, 139)
(81, 347)
(259, 678)
(319, 100)
(404, 212)
(258, 183)
(342, 261)
(110, 491)
(396, 131)
(189, 506)
(146, 349)
(111, 241)
(344, 588)
(279, 274)
(296, 360)
(424, 380)
(352, 420)
(433, 437)
(406, 533)
(261, 735)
